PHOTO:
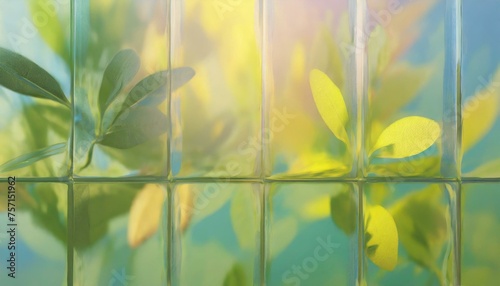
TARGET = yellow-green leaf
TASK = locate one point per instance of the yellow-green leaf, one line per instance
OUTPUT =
(382, 238)
(145, 214)
(244, 224)
(330, 104)
(236, 276)
(479, 114)
(316, 209)
(407, 137)
(282, 235)
(490, 169)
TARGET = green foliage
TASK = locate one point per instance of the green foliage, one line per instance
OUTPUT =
(135, 127)
(95, 209)
(236, 276)
(119, 72)
(131, 126)
(21, 75)
(33, 157)
(422, 225)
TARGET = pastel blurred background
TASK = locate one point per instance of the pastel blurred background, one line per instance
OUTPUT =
(199, 147)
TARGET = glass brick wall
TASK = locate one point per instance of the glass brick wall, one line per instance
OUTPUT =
(249, 142)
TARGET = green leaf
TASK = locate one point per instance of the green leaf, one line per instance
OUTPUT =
(31, 158)
(243, 223)
(96, 207)
(330, 104)
(236, 276)
(135, 127)
(421, 220)
(119, 72)
(156, 84)
(52, 31)
(406, 137)
(23, 76)
(381, 237)
(344, 211)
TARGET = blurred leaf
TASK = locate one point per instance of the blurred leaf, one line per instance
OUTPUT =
(195, 201)
(33, 157)
(145, 214)
(52, 31)
(57, 118)
(149, 157)
(316, 209)
(136, 127)
(381, 236)
(318, 164)
(326, 55)
(479, 114)
(153, 85)
(119, 72)
(403, 80)
(489, 169)
(46, 213)
(330, 104)
(344, 211)
(422, 225)
(243, 224)
(411, 167)
(407, 137)
(96, 206)
(185, 202)
(282, 234)
(21, 75)
(236, 276)
(84, 129)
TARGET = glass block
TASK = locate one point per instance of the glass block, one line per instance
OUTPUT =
(480, 90)
(411, 98)
(119, 234)
(410, 234)
(216, 117)
(312, 234)
(121, 86)
(33, 233)
(310, 104)
(35, 88)
(217, 234)
(480, 234)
